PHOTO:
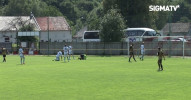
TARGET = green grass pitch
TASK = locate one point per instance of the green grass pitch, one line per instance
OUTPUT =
(97, 78)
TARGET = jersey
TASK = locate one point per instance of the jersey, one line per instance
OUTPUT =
(70, 49)
(4, 51)
(142, 49)
(65, 50)
(131, 49)
(160, 55)
(60, 53)
(58, 57)
(21, 52)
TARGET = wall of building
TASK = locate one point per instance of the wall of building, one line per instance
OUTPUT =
(56, 36)
(8, 46)
(10, 35)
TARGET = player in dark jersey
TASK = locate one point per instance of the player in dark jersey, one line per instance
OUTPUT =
(131, 53)
(160, 55)
(4, 53)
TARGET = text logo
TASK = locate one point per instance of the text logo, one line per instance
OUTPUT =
(163, 8)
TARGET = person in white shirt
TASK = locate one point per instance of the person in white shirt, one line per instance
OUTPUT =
(59, 53)
(65, 50)
(70, 51)
(142, 51)
(21, 54)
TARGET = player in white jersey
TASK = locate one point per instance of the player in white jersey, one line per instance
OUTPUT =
(21, 54)
(70, 51)
(65, 50)
(60, 54)
(142, 51)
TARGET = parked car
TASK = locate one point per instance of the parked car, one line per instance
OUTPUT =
(180, 39)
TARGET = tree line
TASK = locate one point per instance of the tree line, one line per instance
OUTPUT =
(109, 16)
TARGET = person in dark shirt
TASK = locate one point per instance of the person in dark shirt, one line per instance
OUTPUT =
(131, 53)
(160, 54)
(4, 53)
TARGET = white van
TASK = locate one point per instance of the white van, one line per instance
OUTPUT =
(134, 34)
(140, 32)
(91, 36)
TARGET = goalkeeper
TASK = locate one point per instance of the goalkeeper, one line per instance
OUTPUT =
(160, 55)
(131, 53)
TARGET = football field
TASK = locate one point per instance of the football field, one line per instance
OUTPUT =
(97, 78)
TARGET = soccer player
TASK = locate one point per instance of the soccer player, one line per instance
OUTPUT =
(70, 51)
(142, 51)
(60, 54)
(4, 52)
(57, 56)
(65, 50)
(131, 53)
(21, 54)
(160, 55)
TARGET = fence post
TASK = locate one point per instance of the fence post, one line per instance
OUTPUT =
(121, 48)
(86, 48)
(128, 46)
(183, 47)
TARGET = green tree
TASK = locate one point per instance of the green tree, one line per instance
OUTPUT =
(184, 20)
(24, 7)
(183, 12)
(4, 2)
(136, 12)
(161, 17)
(94, 18)
(112, 26)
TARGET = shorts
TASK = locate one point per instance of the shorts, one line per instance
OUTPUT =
(131, 53)
(21, 55)
(142, 52)
(4, 55)
(70, 53)
(65, 54)
(160, 61)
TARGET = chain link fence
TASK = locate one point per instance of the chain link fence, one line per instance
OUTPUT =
(171, 45)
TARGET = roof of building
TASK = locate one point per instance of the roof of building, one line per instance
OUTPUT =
(177, 27)
(54, 23)
(13, 23)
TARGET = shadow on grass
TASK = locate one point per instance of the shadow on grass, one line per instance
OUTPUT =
(104, 56)
(20, 64)
(160, 70)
